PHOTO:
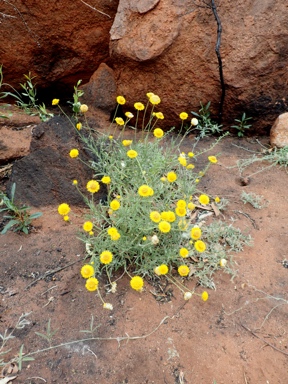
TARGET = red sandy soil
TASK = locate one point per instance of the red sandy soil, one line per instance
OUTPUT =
(238, 336)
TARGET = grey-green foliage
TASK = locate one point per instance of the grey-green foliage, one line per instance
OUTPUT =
(256, 201)
(19, 218)
(27, 99)
(242, 125)
(205, 125)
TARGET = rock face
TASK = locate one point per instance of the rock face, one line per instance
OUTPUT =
(163, 46)
(279, 132)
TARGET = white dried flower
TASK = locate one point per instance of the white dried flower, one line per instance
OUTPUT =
(194, 121)
(154, 239)
(1, 202)
(223, 263)
(108, 306)
(113, 287)
(89, 249)
(187, 295)
(123, 165)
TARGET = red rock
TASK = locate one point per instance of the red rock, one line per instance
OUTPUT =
(279, 131)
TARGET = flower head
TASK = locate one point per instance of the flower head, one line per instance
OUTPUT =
(154, 240)
(145, 191)
(180, 211)
(181, 204)
(168, 216)
(223, 263)
(139, 106)
(129, 115)
(155, 216)
(158, 132)
(91, 284)
(194, 122)
(87, 271)
(203, 199)
(190, 166)
(114, 205)
(212, 159)
(93, 186)
(191, 154)
(154, 99)
(132, 154)
(182, 160)
(79, 126)
(159, 115)
(55, 101)
(66, 218)
(164, 226)
(106, 257)
(108, 306)
(191, 206)
(88, 226)
(74, 153)
(149, 94)
(195, 233)
(183, 270)
(171, 177)
(187, 295)
(106, 180)
(204, 296)
(126, 143)
(200, 246)
(63, 209)
(137, 283)
(83, 108)
(183, 115)
(120, 100)
(119, 121)
(183, 252)
(161, 270)
(183, 225)
(217, 199)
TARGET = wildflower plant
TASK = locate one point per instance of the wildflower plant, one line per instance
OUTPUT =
(148, 224)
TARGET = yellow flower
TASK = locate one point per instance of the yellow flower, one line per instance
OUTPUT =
(171, 177)
(182, 160)
(195, 233)
(149, 94)
(197, 180)
(119, 121)
(114, 205)
(181, 203)
(217, 199)
(93, 186)
(139, 106)
(110, 137)
(155, 216)
(170, 217)
(190, 166)
(204, 296)
(137, 283)
(183, 270)
(129, 115)
(91, 233)
(203, 199)
(145, 191)
(66, 218)
(121, 100)
(74, 153)
(106, 257)
(200, 246)
(106, 180)
(159, 115)
(78, 126)
(63, 209)
(75, 182)
(194, 122)
(183, 115)
(87, 271)
(223, 263)
(144, 238)
(154, 99)
(115, 237)
(163, 178)
(183, 252)
(158, 133)
(180, 211)
(91, 284)
(212, 159)
(132, 154)
(191, 206)
(164, 226)
(112, 231)
(161, 270)
(126, 143)
(88, 226)
(190, 154)
(83, 108)
(55, 101)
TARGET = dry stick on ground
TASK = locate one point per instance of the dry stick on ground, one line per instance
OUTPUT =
(95, 9)
(264, 341)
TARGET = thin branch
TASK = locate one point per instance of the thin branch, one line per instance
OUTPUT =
(95, 9)
(5, 15)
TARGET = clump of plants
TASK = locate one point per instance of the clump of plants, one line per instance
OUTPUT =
(152, 222)
(18, 217)
(242, 125)
(255, 200)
